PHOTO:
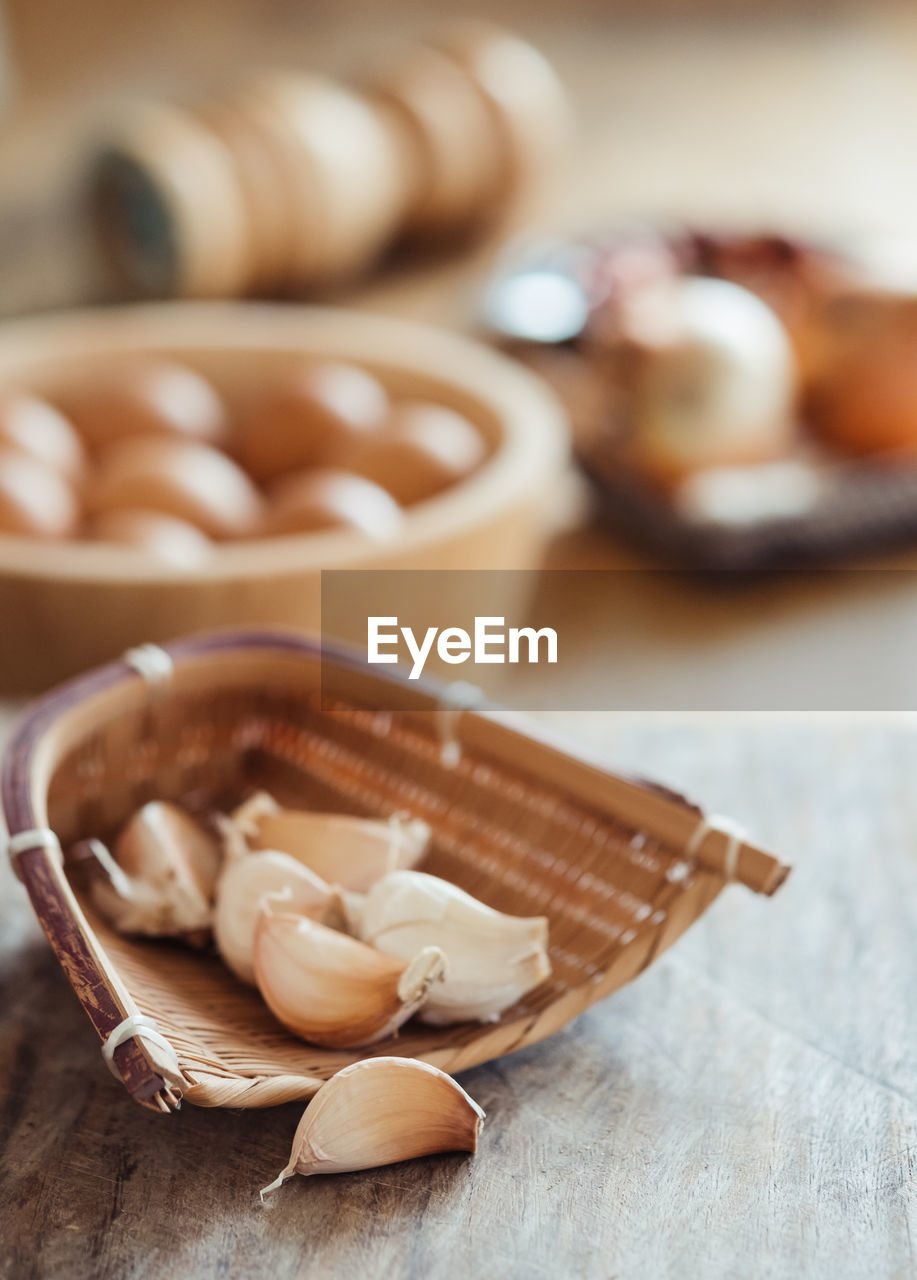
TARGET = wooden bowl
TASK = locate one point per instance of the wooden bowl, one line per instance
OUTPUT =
(68, 605)
(620, 868)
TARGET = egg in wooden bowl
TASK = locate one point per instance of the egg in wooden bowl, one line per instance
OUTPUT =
(308, 439)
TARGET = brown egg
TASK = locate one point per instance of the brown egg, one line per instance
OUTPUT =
(314, 416)
(864, 391)
(424, 449)
(189, 481)
(35, 500)
(328, 499)
(147, 397)
(165, 537)
(34, 427)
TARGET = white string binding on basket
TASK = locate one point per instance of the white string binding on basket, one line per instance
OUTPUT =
(152, 663)
(735, 834)
(136, 1024)
(33, 838)
(139, 1024)
(457, 697)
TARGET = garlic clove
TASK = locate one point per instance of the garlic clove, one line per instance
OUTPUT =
(333, 990)
(343, 850)
(240, 894)
(161, 842)
(171, 865)
(493, 959)
(242, 825)
(380, 1111)
(404, 896)
(486, 993)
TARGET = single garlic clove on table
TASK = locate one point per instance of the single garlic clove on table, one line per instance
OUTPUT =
(493, 959)
(240, 895)
(171, 866)
(332, 990)
(343, 850)
(381, 1111)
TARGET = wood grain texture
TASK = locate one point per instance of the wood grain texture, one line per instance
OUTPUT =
(747, 1107)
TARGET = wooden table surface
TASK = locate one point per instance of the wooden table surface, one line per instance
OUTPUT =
(749, 1106)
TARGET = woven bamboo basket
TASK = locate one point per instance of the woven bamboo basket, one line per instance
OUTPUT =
(620, 867)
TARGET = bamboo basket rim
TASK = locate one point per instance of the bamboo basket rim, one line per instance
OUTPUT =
(150, 1077)
(531, 430)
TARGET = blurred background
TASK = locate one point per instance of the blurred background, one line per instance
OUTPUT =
(794, 114)
(795, 118)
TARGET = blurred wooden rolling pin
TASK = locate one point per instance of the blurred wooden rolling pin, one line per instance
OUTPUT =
(294, 182)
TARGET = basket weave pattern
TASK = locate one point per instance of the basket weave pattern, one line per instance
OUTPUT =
(507, 829)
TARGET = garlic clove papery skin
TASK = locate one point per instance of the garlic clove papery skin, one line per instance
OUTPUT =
(489, 990)
(333, 990)
(240, 828)
(171, 866)
(241, 891)
(136, 908)
(344, 850)
(493, 959)
(381, 1111)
